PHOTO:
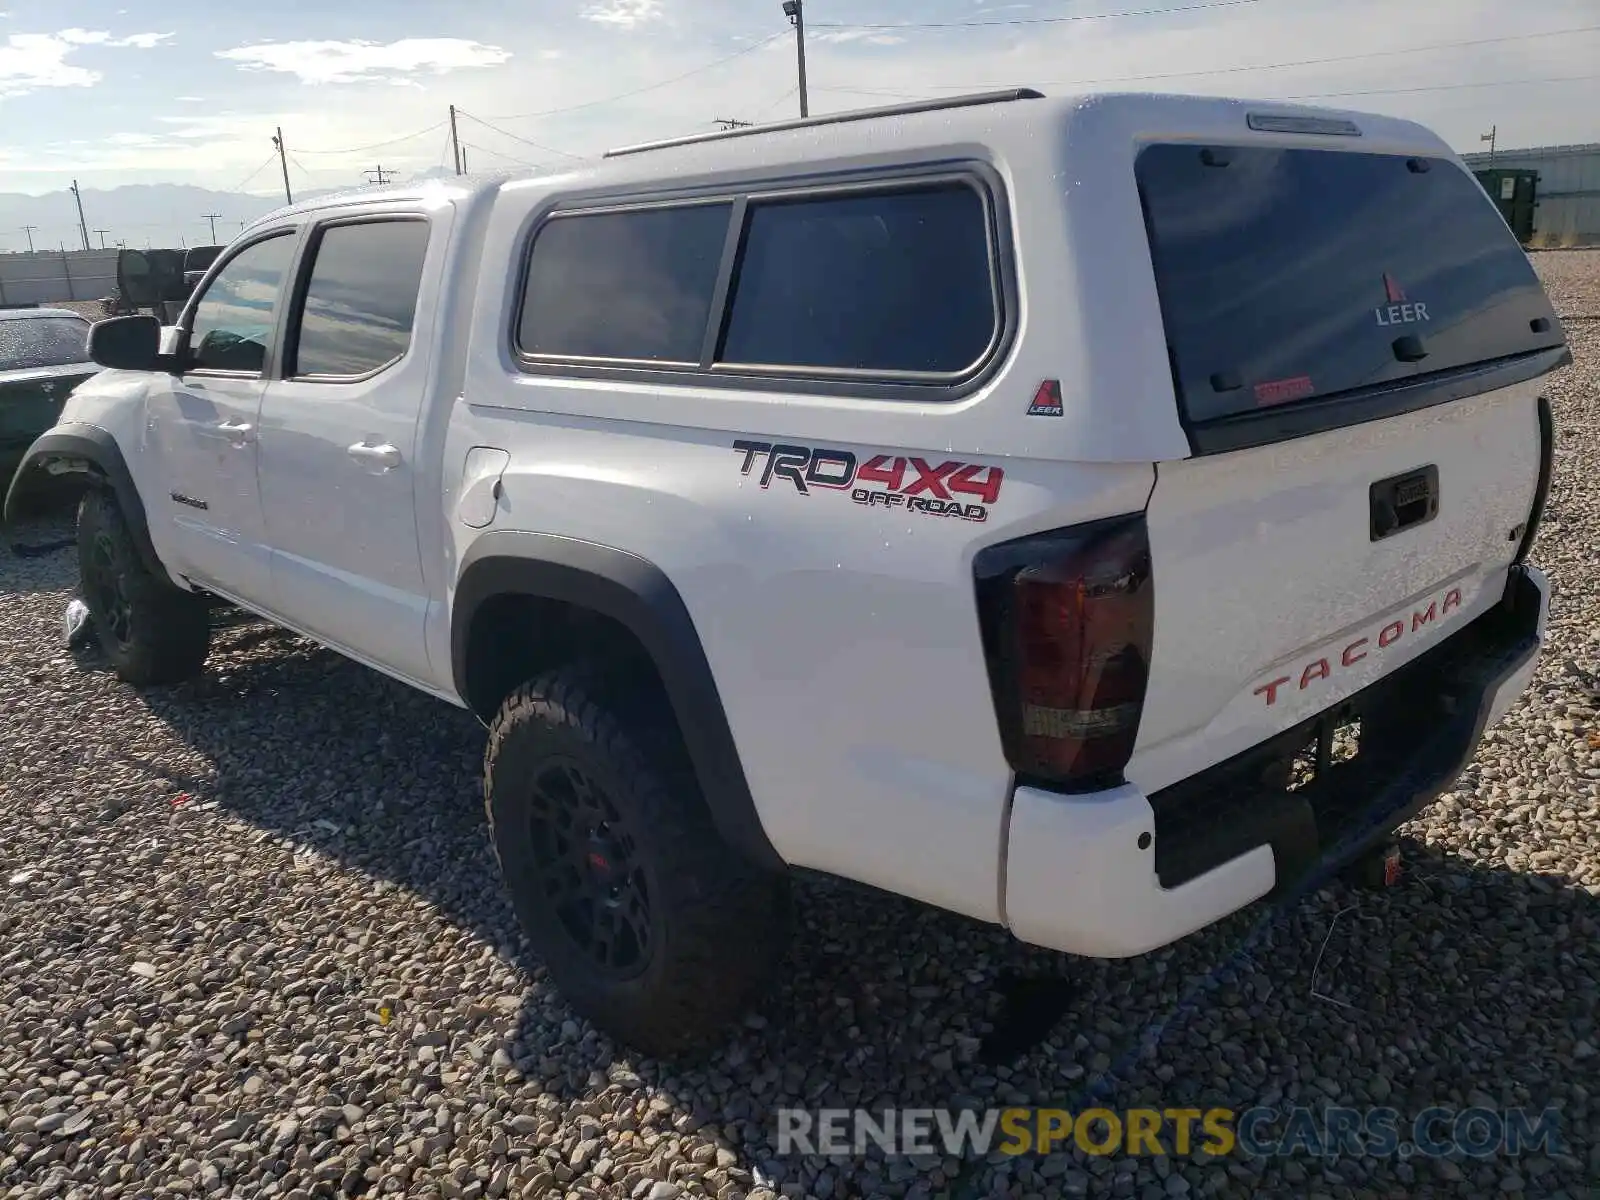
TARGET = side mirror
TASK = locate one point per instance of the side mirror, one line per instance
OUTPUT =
(127, 343)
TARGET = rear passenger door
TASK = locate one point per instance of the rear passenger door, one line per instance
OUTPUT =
(338, 442)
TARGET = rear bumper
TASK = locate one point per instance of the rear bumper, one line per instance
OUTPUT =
(1116, 873)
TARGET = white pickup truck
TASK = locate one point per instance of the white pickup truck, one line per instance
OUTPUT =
(1088, 515)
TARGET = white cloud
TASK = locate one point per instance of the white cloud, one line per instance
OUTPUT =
(360, 61)
(99, 37)
(624, 14)
(143, 41)
(30, 61)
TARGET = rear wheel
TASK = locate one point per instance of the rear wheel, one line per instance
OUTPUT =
(153, 631)
(649, 924)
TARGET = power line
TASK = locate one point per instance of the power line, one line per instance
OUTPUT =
(267, 162)
(1439, 87)
(1443, 87)
(880, 92)
(518, 137)
(405, 137)
(1112, 16)
(555, 111)
(782, 98)
(1274, 66)
(508, 157)
(753, 46)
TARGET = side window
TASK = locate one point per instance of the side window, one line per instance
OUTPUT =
(634, 285)
(232, 324)
(361, 298)
(892, 281)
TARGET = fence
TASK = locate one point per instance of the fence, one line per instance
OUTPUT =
(50, 276)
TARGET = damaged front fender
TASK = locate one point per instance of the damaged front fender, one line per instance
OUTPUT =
(89, 453)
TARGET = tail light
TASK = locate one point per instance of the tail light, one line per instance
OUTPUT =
(1067, 619)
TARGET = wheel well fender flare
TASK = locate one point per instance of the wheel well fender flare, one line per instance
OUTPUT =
(637, 595)
(92, 451)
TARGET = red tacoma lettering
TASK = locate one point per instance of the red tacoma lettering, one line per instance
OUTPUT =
(1271, 690)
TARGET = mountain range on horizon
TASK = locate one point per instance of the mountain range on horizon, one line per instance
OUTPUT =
(136, 215)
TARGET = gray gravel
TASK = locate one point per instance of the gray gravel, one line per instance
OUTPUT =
(252, 944)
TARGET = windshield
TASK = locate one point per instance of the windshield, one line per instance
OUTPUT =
(29, 342)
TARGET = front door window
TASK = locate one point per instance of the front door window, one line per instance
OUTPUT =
(233, 322)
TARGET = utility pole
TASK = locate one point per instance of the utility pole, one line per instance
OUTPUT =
(28, 229)
(283, 161)
(212, 217)
(102, 233)
(795, 11)
(1489, 137)
(463, 160)
(83, 226)
(732, 123)
(380, 173)
(455, 143)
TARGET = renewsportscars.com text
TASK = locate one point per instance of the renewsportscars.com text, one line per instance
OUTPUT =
(1218, 1132)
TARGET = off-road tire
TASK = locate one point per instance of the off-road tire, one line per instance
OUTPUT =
(717, 926)
(153, 631)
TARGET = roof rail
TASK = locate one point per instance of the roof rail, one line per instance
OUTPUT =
(859, 114)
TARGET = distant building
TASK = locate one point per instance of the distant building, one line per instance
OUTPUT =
(1567, 194)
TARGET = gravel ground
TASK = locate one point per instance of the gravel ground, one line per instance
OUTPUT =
(252, 943)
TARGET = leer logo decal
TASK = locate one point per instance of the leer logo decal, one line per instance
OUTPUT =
(884, 481)
(1047, 400)
(1399, 310)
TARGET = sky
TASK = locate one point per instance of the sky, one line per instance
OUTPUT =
(189, 92)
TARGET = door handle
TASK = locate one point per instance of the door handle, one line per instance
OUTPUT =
(238, 432)
(384, 455)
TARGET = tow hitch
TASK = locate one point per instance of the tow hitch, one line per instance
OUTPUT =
(1378, 869)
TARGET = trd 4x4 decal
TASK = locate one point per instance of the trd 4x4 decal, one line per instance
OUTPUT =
(884, 481)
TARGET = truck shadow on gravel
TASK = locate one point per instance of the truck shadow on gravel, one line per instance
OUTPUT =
(394, 792)
(1462, 982)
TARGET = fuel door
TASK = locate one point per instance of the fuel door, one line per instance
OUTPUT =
(479, 499)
